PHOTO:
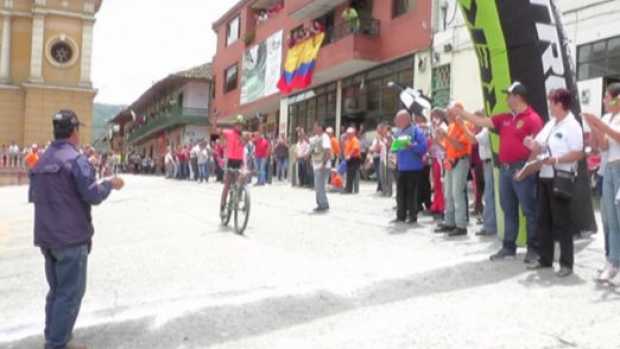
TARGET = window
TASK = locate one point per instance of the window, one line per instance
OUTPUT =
(230, 82)
(366, 98)
(62, 51)
(441, 86)
(599, 59)
(390, 98)
(400, 7)
(320, 106)
(328, 23)
(232, 31)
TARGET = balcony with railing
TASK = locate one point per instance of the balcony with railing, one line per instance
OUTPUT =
(349, 49)
(301, 10)
(169, 119)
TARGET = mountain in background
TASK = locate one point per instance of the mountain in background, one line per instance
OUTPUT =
(102, 113)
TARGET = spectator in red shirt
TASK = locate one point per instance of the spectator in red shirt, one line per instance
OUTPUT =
(183, 155)
(513, 128)
(261, 152)
(179, 155)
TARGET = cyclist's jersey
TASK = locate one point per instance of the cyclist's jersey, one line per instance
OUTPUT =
(234, 164)
(234, 145)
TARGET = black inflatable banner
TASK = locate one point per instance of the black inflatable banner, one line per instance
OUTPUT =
(524, 40)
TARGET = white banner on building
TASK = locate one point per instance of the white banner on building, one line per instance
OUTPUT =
(261, 69)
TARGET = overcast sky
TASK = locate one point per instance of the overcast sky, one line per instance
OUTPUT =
(138, 42)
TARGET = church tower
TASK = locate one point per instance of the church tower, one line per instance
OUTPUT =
(45, 66)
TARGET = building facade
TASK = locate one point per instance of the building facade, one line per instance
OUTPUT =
(352, 69)
(45, 66)
(173, 112)
(591, 28)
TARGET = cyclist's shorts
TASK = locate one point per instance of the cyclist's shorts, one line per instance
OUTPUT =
(234, 164)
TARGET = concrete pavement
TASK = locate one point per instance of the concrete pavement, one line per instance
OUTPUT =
(164, 274)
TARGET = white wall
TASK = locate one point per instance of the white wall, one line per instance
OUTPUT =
(193, 134)
(584, 20)
(196, 95)
(464, 70)
(283, 117)
(423, 72)
(590, 20)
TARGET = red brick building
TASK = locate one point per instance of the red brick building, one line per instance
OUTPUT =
(352, 70)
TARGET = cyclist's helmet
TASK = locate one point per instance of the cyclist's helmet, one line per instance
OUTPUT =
(240, 120)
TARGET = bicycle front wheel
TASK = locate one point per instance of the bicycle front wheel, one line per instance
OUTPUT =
(226, 213)
(242, 210)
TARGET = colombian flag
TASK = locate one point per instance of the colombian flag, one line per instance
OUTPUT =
(300, 64)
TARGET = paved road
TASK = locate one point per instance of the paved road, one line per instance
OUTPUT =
(164, 274)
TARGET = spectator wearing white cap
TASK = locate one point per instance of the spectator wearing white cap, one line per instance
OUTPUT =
(32, 158)
(335, 145)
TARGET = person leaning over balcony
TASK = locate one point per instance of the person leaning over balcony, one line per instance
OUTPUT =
(352, 17)
(316, 28)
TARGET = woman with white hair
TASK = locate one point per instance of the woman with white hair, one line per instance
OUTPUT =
(410, 146)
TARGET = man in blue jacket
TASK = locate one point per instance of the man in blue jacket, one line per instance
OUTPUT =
(410, 167)
(63, 186)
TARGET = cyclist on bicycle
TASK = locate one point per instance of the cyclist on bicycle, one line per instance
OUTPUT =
(233, 153)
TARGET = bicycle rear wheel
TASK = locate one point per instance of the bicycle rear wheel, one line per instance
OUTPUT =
(226, 214)
(242, 210)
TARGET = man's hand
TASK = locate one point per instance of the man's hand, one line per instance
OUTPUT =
(588, 115)
(529, 142)
(550, 161)
(117, 183)
(592, 120)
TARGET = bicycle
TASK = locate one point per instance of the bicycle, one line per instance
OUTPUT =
(238, 202)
